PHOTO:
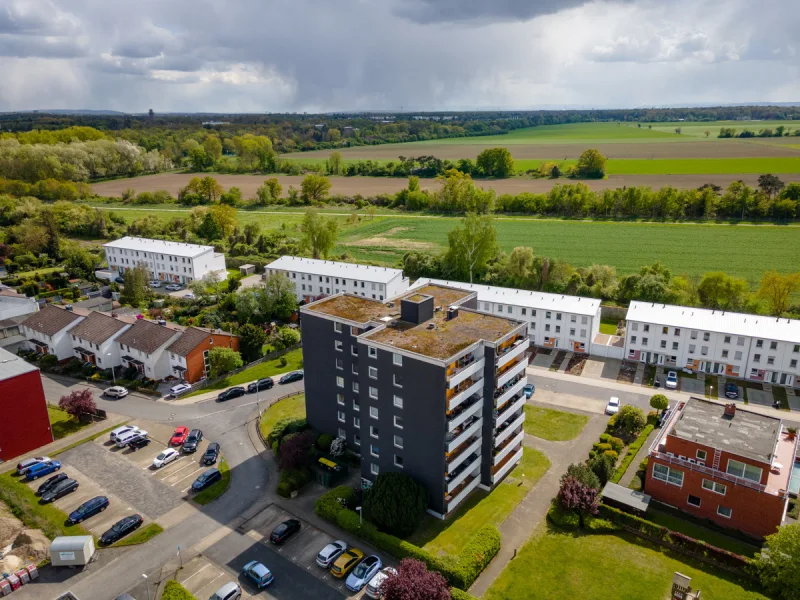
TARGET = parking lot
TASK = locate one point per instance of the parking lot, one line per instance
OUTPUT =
(202, 577)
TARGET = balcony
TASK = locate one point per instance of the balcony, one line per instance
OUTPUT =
(512, 389)
(503, 451)
(459, 455)
(471, 368)
(499, 471)
(456, 496)
(464, 411)
(507, 428)
(461, 393)
(462, 434)
(512, 371)
(512, 352)
(470, 467)
(510, 411)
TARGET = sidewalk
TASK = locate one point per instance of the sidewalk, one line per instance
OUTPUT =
(629, 474)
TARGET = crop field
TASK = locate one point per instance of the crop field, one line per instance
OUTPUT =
(687, 166)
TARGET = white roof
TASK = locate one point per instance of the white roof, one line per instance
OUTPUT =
(538, 300)
(331, 268)
(160, 246)
(12, 365)
(719, 321)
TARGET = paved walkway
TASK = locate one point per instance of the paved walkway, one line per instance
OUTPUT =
(519, 526)
(628, 477)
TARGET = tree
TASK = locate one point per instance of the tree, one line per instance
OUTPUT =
(136, 288)
(335, 163)
(776, 289)
(395, 503)
(591, 164)
(246, 302)
(207, 188)
(719, 290)
(277, 297)
(251, 342)
(659, 402)
(78, 402)
(213, 148)
(294, 451)
(496, 162)
(583, 474)
(208, 229)
(314, 188)
(319, 233)
(200, 159)
(631, 419)
(459, 193)
(778, 564)
(520, 266)
(578, 497)
(80, 261)
(223, 360)
(275, 187)
(232, 197)
(770, 184)
(284, 338)
(413, 581)
(225, 218)
(602, 465)
(471, 246)
(206, 286)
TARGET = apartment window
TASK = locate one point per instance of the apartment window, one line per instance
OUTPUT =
(759, 343)
(740, 341)
(571, 331)
(547, 326)
(509, 309)
(634, 327)
(338, 345)
(374, 450)
(573, 319)
(373, 412)
(342, 433)
(398, 441)
(644, 341)
(524, 311)
(583, 333)
(693, 335)
(547, 315)
(713, 486)
(773, 345)
(646, 328)
(397, 359)
(373, 468)
(727, 339)
(398, 461)
(693, 500)
(633, 339)
(339, 363)
(373, 431)
(373, 372)
(398, 402)
(757, 358)
(584, 320)
(354, 368)
(704, 350)
(373, 352)
(724, 511)
(737, 355)
(770, 360)
(743, 470)
(398, 422)
(340, 414)
(397, 380)
(724, 354)
(356, 405)
(340, 399)
(677, 331)
(355, 387)
(558, 328)
(701, 455)
(373, 393)
(356, 421)
(353, 350)
(663, 343)
(631, 353)
(665, 330)
(796, 348)
(793, 363)
(674, 345)
(357, 439)
(558, 316)
(671, 476)
(753, 372)
(340, 381)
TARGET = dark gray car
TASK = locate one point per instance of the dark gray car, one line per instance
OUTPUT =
(190, 445)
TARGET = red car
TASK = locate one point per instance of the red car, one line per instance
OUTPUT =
(180, 435)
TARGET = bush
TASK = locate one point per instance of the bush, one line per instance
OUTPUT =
(285, 427)
(332, 502)
(457, 594)
(295, 450)
(582, 473)
(598, 525)
(564, 519)
(598, 447)
(292, 480)
(574, 496)
(630, 419)
(616, 444)
(602, 466)
(175, 591)
(396, 503)
(324, 442)
(78, 402)
(604, 438)
(633, 449)
(611, 454)
(48, 361)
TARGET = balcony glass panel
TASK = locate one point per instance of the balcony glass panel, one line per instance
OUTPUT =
(505, 430)
(471, 407)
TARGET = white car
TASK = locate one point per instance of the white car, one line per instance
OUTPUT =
(179, 388)
(116, 392)
(122, 430)
(374, 586)
(672, 381)
(126, 438)
(173, 287)
(29, 462)
(155, 283)
(189, 296)
(612, 407)
(330, 553)
(166, 457)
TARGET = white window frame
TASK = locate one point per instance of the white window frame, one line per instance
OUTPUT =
(372, 352)
(394, 441)
(699, 501)
(372, 448)
(357, 422)
(667, 476)
(340, 399)
(394, 420)
(397, 359)
(394, 381)
(730, 511)
(745, 467)
(373, 392)
(339, 381)
(373, 412)
(713, 487)
(337, 327)
(338, 345)
(356, 439)
(373, 432)
(396, 464)
(372, 372)
(374, 469)
(703, 453)
(398, 401)
(341, 417)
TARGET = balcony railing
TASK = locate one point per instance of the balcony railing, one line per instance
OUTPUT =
(502, 452)
(513, 351)
(506, 429)
(463, 392)
(464, 411)
(512, 372)
(463, 452)
(511, 412)
(512, 388)
(508, 463)
(455, 498)
(474, 366)
(462, 434)
(469, 467)
(710, 471)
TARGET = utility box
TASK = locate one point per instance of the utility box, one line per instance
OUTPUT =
(72, 551)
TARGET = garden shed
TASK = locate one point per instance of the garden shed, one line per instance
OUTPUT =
(247, 269)
(72, 550)
(626, 499)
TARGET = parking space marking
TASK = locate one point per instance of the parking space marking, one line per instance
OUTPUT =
(196, 573)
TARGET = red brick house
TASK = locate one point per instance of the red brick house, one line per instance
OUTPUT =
(188, 355)
(720, 462)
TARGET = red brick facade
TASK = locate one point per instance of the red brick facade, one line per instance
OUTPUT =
(195, 360)
(25, 425)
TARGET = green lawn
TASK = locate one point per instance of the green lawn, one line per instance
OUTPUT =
(62, 423)
(553, 425)
(681, 166)
(564, 566)
(140, 536)
(688, 526)
(482, 508)
(293, 407)
(34, 272)
(216, 489)
(269, 368)
(608, 326)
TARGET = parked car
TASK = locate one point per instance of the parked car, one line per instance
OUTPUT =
(731, 390)
(206, 479)
(155, 283)
(290, 377)
(284, 531)
(212, 454)
(261, 384)
(51, 483)
(374, 590)
(41, 469)
(88, 509)
(345, 563)
(529, 390)
(29, 462)
(179, 436)
(230, 394)
(121, 430)
(119, 279)
(612, 407)
(173, 287)
(139, 443)
(126, 438)
(188, 296)
(116, 392)
(671, 382)
(62, 488)
(330, 553)
(365, 571)
(166, 457)
(121, 528)
(258, 574)
(178, 389)
(194, 438)
(229, 591)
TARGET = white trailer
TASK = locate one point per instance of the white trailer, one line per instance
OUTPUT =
(71, 550)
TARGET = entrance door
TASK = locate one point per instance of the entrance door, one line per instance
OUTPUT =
(783, 378)
(661, 359)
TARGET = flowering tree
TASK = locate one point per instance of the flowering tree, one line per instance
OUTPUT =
(413, 581)
(576, 496)
(77, 402)
(338, 446)
(295, 450)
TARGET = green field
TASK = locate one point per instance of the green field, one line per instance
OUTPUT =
(685, 166)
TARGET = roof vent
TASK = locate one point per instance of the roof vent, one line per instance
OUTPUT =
(68, 307)
(162, 322)
(431, 325)
(452, 313)
(730, 410)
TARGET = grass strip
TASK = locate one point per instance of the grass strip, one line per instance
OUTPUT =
(217, 489)
(293, 407)
(62, 423)
(633, 449)
(140, 537)
(553, 425)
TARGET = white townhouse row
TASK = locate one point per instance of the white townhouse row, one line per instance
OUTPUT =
(554, 320)
(175, 262)
(314, 278)
(739, 345)
(14, 304)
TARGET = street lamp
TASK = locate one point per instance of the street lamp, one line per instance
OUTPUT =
(180, 557)
(360, 516)
(147, 585)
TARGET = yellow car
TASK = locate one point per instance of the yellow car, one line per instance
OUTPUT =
(345, 563)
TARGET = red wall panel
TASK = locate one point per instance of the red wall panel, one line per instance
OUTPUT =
(24, 424)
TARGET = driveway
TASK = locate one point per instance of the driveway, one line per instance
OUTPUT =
(693, 386)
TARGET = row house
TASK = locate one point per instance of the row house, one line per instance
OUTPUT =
(737, 345)
(47, 331)
(314, 279)
(144, 347)
(94, 340)
(189, 354)
(14, 304)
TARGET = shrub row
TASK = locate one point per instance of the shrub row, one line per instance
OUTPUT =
(292, 480)
(457, 594)
(633, 450)
(460, 571)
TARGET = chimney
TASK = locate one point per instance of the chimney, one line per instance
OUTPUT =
(730, 410)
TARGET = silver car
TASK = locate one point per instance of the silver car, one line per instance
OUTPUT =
(330, 553)
(364, 571)
(229, 591)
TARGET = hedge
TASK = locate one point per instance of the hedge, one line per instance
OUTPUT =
(460, 570)
(564, 519)
(175, 591)
(292, 480)
(457, 594)
(633, 450)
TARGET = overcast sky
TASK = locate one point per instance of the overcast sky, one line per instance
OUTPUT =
(325, 55)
